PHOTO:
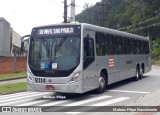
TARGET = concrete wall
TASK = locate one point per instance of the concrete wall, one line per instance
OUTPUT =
(6, 64)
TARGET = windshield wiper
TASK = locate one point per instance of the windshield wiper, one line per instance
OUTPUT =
(45, 45)
(59, 45)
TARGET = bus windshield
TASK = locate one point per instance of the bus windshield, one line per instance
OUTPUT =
(54, 53)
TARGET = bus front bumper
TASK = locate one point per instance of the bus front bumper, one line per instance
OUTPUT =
(74, 87)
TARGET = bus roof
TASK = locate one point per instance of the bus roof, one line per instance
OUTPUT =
(99, 29)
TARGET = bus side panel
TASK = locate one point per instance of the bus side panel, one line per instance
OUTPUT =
(124, 66)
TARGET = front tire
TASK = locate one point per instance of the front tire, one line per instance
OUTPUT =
(102, 84)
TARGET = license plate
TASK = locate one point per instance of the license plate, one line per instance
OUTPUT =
(50, 87)
(40, 80)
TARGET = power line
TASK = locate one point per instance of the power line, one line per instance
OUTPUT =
(149, 26)
(150, 20)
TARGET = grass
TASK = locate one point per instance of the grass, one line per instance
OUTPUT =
(11, 88)
(12, 76)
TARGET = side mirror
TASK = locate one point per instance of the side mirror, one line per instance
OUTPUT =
(22, 41)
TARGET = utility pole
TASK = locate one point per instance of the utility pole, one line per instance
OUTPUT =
(72, 11)
(103, 13)
(65, 11)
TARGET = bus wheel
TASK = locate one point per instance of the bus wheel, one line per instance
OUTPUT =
(141, 74)
(137, 74)
(102, 84)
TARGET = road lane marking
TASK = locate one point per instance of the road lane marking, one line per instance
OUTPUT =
(125, 91)
(54, 103)
(23, 97)
(13, 103)
(111, 101)
(16, 94)
(105, 103)
(76, 103)
(87, 101)
(19, 95)
(32, 103)
(81, 102)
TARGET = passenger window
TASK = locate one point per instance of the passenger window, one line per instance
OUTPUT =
(100, 44)
(125, 45)
(119, 44)
(110, 44)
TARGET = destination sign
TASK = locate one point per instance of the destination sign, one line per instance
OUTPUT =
(55, 30)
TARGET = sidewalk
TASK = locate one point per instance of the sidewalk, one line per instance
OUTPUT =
(156, 66)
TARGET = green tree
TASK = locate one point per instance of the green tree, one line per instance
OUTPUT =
(156, 49)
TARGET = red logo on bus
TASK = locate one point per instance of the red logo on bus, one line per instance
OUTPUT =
(111, 62)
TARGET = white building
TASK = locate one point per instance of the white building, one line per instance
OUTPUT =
(10, 41)
(5, 37)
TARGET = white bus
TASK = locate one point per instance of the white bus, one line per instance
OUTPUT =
(79, 57)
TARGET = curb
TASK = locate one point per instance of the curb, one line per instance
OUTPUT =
(12, 79)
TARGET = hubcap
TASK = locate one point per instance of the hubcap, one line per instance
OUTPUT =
(101, 82)
(137, 74)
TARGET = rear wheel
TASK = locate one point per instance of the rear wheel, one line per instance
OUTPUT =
(102, 84)
(137, 77)
(141, 74)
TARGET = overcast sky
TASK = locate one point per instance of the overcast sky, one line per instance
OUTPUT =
(23, 15)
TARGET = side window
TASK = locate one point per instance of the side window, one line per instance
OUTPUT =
(129, 46)
(88, 47)
(119, 44)
(110, 44)
(134, 46)
(100, 44)
(138, 46)
(125, 45)
(147, 47)
(89, 55)
(143, 47)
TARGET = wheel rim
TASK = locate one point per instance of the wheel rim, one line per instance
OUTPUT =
(101, 82)
(137, 75)
(141, 73)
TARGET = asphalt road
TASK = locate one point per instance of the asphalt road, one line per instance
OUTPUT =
(123, 93)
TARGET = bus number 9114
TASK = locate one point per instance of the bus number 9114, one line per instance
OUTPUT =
(40, 80)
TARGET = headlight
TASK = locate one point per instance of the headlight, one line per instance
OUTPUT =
(75, 77)
(29, 76)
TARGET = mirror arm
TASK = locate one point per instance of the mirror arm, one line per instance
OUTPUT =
(22, 42)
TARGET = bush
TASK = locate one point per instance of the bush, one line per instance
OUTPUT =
(156, 49)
